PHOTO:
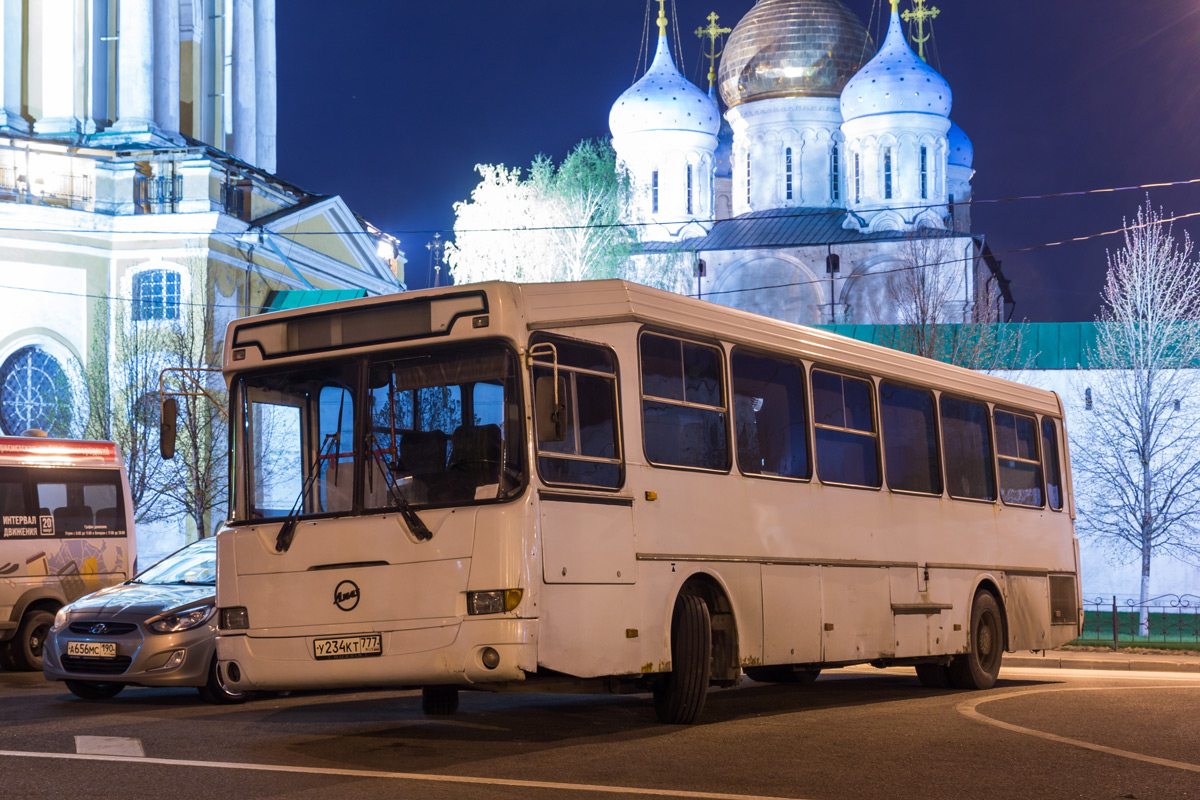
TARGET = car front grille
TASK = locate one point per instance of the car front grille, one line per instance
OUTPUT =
(96, 666)
(109, 628)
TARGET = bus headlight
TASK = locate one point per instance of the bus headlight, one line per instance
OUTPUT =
(234, 618)
(494, 602)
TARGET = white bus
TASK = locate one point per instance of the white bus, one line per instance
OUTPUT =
(506, 486)
(66, 529)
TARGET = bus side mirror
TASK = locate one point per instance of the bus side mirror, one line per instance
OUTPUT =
(166, 431)
(551, 413)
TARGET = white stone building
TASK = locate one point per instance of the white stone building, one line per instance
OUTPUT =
(137, 185)
(833, 160)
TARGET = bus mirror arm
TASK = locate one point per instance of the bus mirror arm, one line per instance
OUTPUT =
(551, 411)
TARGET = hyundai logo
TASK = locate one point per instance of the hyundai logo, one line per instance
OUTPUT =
(99, 629)
(345, 596)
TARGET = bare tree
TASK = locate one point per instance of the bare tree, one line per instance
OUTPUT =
(122, 385)
(936, 317)
(199, 474)
(1137, 462)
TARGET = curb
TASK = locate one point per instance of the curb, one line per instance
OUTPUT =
(1144, 664)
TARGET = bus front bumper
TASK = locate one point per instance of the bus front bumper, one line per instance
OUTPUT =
(445, 654)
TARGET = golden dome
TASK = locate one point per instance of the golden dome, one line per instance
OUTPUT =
(793, 48)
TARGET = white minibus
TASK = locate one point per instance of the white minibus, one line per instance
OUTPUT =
(66, 529)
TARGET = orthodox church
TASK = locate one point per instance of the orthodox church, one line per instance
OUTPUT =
(833, 178)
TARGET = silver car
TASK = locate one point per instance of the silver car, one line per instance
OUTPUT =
(158, 629)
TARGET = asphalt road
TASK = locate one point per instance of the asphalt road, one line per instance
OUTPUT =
(856, 733)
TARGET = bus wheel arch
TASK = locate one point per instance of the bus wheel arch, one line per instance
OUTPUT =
(726, 666)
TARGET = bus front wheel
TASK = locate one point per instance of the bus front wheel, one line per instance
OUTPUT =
(680, 699)
(439, 700)
(980, 665)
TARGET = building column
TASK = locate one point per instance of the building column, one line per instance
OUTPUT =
(264, 89)
(12, 34)
(135, 66)
(55, 61)
(166, 66)
(245, 128)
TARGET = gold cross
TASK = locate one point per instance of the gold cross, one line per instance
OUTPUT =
(920, 13)
(712, 33)
(662, 17)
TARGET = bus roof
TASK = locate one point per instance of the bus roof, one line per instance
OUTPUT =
(546, 306)
(40, 451)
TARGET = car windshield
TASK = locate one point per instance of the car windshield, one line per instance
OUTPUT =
(195, 564)
(412, 429)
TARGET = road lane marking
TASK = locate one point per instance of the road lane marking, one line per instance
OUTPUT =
(969, 709)
(400, 776)
(109, 746)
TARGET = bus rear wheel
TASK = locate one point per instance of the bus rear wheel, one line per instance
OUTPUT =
(438, 701)
(980, 665)
(680, 698)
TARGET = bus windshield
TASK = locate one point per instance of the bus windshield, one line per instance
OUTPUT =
(357, 435)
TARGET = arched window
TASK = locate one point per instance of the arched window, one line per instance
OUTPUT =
(787, 173)
(887, 173)
(156, 294)
(857, 179)
(35, 393)
(924, 172)
(835, 174)
(689, 188)
(654, 192)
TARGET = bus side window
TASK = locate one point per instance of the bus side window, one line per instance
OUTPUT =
(769, 417)
(909, 439)
(845, 430)
(590, 453)
(683, 403)
(967, 445)
(1017, 449)
(1050, 459)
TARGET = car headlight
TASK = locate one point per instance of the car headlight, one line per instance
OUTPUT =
(60, 618)
(182, 620)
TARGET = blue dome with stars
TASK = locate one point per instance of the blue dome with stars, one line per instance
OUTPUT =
(962, 152)
(896, 80)
(663, 100)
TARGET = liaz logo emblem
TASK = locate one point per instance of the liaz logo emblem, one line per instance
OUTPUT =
(345, 596)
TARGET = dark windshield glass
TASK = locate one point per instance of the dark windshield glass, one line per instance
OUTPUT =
(439, 428)
(444, 428)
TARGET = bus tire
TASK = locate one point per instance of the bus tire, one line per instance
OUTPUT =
(782, 673)
(980, 665)
(439, 701)
(26, 646)
(935, 676)
(680, 698)
(93, 690)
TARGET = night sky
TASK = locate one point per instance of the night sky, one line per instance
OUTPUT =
(391, 103)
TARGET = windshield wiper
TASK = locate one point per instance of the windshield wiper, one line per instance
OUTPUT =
(287, 531)
(418, 528)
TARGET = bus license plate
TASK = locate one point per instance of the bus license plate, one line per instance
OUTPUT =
(92, 649)
(370, 644)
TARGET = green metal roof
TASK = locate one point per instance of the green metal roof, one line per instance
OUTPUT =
(1043, 345)
(299, 298)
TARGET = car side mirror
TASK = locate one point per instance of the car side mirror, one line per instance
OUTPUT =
(551, 411)
(166, 430)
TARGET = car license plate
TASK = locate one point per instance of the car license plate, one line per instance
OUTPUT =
(370, 644)
(92, 649)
